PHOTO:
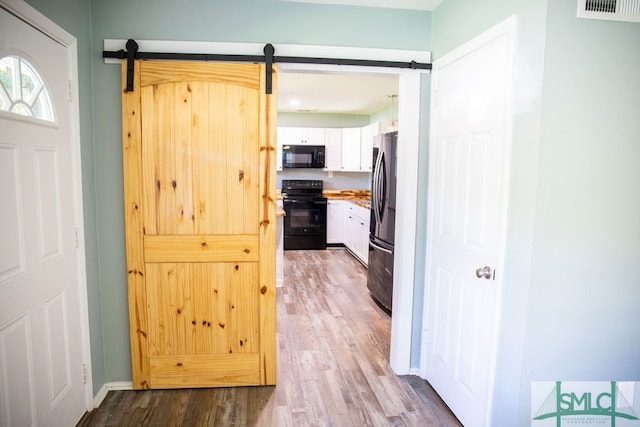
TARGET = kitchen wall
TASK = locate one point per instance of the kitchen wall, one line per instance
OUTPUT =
(337, 180)
(573, 245)
(261, 21)
(75, 17)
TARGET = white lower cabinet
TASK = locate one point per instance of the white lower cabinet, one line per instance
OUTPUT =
(356, 230)
(335, 220)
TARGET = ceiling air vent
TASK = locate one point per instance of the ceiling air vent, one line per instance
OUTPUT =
(610, 10)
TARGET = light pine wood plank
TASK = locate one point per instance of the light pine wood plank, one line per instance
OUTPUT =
(134, 228)
(200, 370)
(202, 248)
(267, 228)
(238, 74)
(183, 187)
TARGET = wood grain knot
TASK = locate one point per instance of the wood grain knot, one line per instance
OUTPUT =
(222, 325)
(263, 290)
(237, 267)
(240, 175)
(246, 250)
(134, 272)
(179, 364)
(204, 244)
(174, 184)
(179, 311)
(193, 322)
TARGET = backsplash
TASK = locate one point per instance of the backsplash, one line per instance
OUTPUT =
(339, 181)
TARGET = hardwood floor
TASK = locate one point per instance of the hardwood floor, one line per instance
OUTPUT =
(333, 347)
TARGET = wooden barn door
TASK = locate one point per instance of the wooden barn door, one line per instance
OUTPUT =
(199, 179)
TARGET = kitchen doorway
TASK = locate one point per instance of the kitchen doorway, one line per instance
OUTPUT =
(408, 119)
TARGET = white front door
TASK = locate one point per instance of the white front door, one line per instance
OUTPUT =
(41, 346)
(468, 187)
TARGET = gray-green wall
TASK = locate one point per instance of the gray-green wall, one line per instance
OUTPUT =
(75, 17)
(583, 312)
(573, 246)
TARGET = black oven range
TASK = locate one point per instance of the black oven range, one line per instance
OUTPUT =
(305, 223)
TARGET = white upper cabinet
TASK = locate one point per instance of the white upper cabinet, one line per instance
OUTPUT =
(346, 149)
(366, 146)
(351, 149)
(333, 151)
(303, 136)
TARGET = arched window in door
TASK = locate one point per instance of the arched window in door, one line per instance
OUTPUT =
(23, 91)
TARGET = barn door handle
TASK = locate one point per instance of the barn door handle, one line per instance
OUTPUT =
(483, 272)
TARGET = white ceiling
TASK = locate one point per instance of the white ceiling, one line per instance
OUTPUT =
(390, 4)
(335, 93)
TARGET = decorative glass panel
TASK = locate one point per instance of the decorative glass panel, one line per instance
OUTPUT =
(22, 90)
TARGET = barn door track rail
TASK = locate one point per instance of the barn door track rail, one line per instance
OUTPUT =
(132, 53)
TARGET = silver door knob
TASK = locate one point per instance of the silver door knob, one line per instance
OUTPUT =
(483, 272)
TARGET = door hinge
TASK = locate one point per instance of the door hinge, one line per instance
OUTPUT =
(70, 91)
(76, 237)
(85, 374)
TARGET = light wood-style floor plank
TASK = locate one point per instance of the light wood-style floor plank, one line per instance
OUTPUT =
(333, 350)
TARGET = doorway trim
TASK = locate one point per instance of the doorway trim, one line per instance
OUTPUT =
(402, 321)
(33, 17)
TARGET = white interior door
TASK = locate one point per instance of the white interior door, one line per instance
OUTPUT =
(41, 349)
(468, 182)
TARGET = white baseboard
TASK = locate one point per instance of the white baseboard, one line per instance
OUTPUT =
(414, 371)
(106, 388)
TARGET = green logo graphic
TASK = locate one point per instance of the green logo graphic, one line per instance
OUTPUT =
(610, 403)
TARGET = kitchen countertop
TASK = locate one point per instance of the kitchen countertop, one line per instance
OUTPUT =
(359, 197)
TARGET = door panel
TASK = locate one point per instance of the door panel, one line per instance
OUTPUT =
(470, 168)
(200, 218)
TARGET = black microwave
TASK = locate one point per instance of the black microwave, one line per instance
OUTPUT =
(303, 156)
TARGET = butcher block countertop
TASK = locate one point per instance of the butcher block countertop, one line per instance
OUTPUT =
(359, 197)
(280, 211)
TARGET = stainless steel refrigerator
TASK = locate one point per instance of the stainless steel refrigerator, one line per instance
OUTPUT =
(383, 219)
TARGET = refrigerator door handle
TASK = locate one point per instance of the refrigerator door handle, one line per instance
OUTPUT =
(380, 248)
(376, 190)
(382, 177)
